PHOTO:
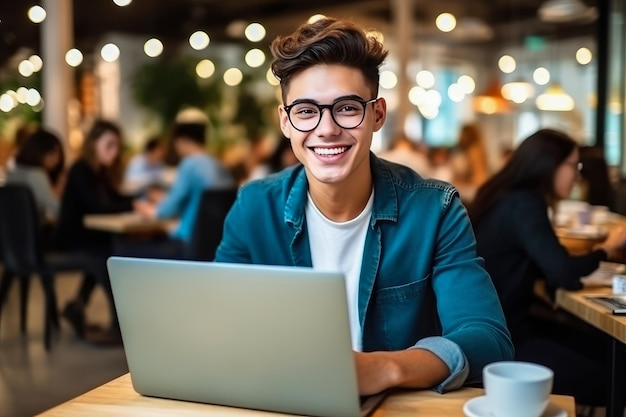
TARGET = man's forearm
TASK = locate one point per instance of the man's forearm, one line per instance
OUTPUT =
(411, 368)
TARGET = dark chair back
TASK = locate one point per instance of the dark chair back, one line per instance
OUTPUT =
(209, 223)
(20, 231)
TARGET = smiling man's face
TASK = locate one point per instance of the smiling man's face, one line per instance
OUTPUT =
(330, 153)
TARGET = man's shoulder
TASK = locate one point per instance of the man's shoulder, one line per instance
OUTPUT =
(406, 178)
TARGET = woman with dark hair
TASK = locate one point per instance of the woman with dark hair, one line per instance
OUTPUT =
(92, 187)
(517, 241)
(38, 165)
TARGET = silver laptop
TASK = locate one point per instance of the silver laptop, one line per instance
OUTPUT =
(252, 336)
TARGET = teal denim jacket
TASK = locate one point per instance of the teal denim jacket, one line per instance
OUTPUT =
(422, 284)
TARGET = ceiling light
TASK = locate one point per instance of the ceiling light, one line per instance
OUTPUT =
(541, 76)
(555, 99)
(517, 91)
(583, 56)
(566, 11)
(37, 14)
(490, 101)
(507, 64)
(446, 22)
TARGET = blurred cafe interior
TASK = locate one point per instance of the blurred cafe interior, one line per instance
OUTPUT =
(498, 69)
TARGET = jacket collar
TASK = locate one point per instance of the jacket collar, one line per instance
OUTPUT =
(385, 198)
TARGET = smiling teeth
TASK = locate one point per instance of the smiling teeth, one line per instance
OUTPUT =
(330, 151)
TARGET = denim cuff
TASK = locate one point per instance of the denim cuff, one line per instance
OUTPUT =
(452, 355)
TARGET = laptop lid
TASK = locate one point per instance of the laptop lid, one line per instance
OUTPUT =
(263, 337)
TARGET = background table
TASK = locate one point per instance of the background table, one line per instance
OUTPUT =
(117, 398)
(615, 326)
(127, 223)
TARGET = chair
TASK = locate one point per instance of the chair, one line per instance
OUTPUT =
(209, 223)
(22, 255)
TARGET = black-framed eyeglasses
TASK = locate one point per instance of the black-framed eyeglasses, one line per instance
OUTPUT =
(347, 113)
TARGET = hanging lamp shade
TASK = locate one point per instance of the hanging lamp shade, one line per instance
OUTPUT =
(555, 98)
(490, 101)
(558, 11)
(518, 91)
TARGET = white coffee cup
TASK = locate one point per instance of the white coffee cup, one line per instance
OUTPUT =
(517, 389)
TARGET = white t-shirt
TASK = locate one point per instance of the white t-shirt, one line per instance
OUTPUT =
(339, 247)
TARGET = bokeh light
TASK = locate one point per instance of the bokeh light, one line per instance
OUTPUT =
(233, 77)
(205, 68)
(446, 22)
(255, 58)
(37, 14)
(255, 32)
(37, 62)
(25, 68)
(153, 47)
(541, 76)
(425, 79)
(507, 64)
(388, 79)
(467, 83)
(271, 78)
(583, 56)
(110, 52)
(199, 40)
(74, 57)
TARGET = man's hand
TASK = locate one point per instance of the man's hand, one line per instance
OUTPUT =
(411, 368)
(145, 208)
(375, 372)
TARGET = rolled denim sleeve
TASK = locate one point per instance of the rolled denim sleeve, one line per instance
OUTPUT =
(452, 355)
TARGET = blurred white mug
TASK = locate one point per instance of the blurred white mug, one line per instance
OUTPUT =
(517, 389)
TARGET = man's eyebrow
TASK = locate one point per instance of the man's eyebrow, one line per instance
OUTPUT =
(309, 100)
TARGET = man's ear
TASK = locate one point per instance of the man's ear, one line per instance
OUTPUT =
(380, 113)
(285, 125)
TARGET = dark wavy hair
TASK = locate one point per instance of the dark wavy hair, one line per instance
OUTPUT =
(532, 165)
(327, 41)
(36, 147)
(88, 151)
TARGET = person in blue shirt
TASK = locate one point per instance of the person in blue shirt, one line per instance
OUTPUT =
(147, 169)
(422, 309)
(197, 171)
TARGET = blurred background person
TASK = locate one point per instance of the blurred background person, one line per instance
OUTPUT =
(406, 152)
(282, 157)
(440, 168)
(39, 164)
(92, 187)
(147, 169)
(469, 163)
(197, 171)
(595, 184)
(516, 238)
(22, 134)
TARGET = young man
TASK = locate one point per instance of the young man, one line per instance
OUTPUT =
(423, 311)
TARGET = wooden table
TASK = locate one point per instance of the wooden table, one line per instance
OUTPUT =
(615, 326)
(127, 223)
(117, 398)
